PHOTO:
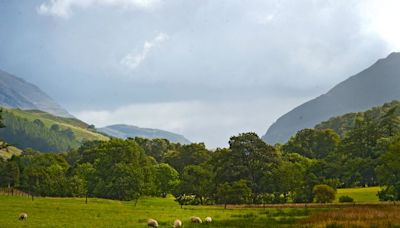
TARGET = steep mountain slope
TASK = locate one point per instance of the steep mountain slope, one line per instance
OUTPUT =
(374, 86)
(45, 132)
(17, 93)
(125, 131)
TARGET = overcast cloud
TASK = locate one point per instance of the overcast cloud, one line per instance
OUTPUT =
(207, 69)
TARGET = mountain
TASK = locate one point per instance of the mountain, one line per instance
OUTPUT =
(374, 86)
(45, 132)
(125, 131)
(17, 93)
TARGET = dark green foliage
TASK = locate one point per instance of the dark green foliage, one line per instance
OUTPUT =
(388, 172)
(324, 193)
(157, 148)
(1, 119)
(313, 143)
(386, 116)
(253, 161)
(117, 169)
(166, 179)
(196, 181)
(346, 199)
(184, 155)
(26, 134)
(236, 193)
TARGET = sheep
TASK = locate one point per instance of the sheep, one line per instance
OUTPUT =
(152, 223)
(177, 223)
(208, 219)
(195, 219)
(23, 216)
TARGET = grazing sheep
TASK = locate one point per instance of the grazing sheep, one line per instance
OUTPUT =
(208, 219)
(177, 223)
(23, 216)
(195, 219)
(152, 223)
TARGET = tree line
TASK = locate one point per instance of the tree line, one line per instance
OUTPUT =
(248, 171)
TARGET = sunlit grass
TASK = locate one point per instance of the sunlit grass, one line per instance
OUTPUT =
(360, 195)
(73, 212)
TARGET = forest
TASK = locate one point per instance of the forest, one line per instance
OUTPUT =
(353, 150)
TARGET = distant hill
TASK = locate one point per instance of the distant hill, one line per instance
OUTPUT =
(17, 93)
(374, 86)
(45, 132)
(344, 123)
(125, 131)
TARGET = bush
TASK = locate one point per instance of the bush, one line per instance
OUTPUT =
(324, 193)
(346, 199)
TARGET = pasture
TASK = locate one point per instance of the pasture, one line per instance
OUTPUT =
(73, 212)
(360, 195)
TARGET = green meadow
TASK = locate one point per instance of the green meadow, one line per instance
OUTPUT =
(73, 212)
(360, 195)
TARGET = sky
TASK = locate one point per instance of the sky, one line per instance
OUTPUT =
(206, 69)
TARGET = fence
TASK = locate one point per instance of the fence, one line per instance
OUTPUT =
(12, 192)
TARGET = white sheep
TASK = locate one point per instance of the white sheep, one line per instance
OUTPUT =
(23, 216)
(177, 223)
(195, 219)
(152, 223)
(208, 219)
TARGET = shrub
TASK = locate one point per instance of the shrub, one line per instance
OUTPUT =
(324, 193)
(346, 199)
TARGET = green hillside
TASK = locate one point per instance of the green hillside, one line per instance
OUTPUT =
(44, 132)
(389, 113)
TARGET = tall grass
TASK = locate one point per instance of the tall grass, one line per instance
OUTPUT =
(358, 216)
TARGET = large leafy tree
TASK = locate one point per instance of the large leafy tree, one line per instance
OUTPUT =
(122, 169)
(196, 181)
(313, 143)
(184, 155)
(236, 193)
(248, 158)
(388, 172)
(167, 179)
(157, 148)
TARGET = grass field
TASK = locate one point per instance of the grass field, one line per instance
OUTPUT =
(360, 195)
(73, 212)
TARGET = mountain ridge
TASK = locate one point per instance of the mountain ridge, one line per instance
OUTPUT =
(125, 131)
(15, 92)
(373, 86)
